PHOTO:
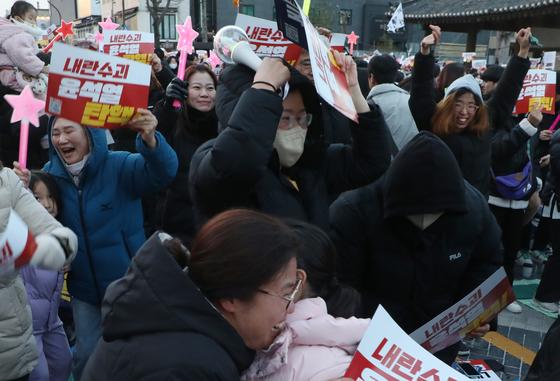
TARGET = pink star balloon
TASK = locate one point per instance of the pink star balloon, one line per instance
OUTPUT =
(185, 44)
(26, 109)
(352, 40)
(108, 24)
(214, 60)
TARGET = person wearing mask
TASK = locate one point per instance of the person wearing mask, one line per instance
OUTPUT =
(176, 316)
(275, 160)
(173, 63)
(392, 100)
(185, 130)
(422, 228)
(56, 247)
(101, 191)
(462, 119)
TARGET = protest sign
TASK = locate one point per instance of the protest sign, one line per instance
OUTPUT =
(338, 41)
(478, 307)
(476, 370)
(479, 65)
(95, 89)
(330, 81)
(468, 56)
(538, 92)
(266, 39)
(136, 46)
(549, 60)
(290, 22)
(387, 353)
(17, 244)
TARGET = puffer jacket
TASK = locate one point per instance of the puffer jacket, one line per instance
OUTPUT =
(18, 354)
(105, 210)
(314, 346)
(393, 102)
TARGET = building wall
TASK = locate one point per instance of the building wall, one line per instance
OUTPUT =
(67, 9)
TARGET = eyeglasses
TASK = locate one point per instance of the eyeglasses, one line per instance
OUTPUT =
(303, 120)
(460, 106)
(290, 298)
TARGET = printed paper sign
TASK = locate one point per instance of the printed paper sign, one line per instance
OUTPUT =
(95, 89)
(549, 60)
(136, 46)
(480, 306)
(538, 92)
(479, 65)
(476, 370)
(468, 56)
(330, 81)
(266, 39)
(17, 244)
(338, 41)
(387, 353)
(290, 22)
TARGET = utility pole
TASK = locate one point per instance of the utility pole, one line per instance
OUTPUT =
(123, 13)
(203, 20)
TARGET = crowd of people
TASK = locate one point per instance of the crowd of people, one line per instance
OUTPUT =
(276, 225)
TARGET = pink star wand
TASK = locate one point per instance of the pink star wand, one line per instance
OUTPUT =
(26, 109)
(352, 40)
(185, 45)
(64, 30)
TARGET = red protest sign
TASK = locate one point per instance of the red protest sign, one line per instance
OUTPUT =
(387, 353)
(538, 92)
(136, 46)
(266, 39)
(95, 89)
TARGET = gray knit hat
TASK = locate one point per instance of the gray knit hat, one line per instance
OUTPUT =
(465, 82)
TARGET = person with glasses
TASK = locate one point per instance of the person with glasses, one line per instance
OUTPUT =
(321, 333)
(271, 154)
(462, 119)
(199, 316)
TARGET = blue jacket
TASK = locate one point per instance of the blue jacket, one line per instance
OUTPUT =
(105, 210)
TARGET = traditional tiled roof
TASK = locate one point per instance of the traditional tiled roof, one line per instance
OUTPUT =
(419, 10)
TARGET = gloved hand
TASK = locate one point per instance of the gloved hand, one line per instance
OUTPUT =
(177, 89)
(49, 254)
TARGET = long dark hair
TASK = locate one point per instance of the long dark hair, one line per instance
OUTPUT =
(317, 257)
(238, 251)
(45, 178)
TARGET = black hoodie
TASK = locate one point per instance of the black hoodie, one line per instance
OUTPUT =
(158, 326)
(240, 168)
(415, 274)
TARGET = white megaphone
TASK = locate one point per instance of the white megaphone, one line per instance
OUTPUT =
(231, 44)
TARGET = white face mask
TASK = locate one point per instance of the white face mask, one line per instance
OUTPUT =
(173, 66)
(289, 144)
(30, 28)
(423, 221)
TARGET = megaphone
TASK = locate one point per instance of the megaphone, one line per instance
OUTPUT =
(231, 45)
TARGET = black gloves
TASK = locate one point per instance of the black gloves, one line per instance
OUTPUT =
(176, 90)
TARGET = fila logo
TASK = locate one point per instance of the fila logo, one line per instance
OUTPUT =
(454, 257)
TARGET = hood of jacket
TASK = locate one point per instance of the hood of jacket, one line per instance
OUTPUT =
(235, 79)
(157, 296)
(384, 88)
(98, 153)
(8, 29)
(423, 178)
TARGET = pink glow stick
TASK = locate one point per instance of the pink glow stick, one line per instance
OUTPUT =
(555, 123)
(23, 143)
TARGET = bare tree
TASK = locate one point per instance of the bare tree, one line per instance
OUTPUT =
(157, 9)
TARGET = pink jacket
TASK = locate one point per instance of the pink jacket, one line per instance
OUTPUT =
(314, 346)
(18, 48)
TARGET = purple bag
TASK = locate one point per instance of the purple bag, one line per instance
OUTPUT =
(517, 185)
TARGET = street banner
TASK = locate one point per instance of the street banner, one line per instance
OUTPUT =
(17, 244)
(330, 81)
(478, 307)
(476, 370)
(136, 46)
(538, 92)
(266, 39)
(387, 353)
(95, 89)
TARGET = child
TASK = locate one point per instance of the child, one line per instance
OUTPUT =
(19, 64)
(314, 345)
(43, 291)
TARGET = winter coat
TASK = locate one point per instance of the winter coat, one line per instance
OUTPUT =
(546, 366)
(473, 153)
(157, 325)
(393, 102)
(415, 274)
(105, 209)
(314, 346)
(185, 133)
(18, 355)
(551, 190)
(240, 168)
(18, 48)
